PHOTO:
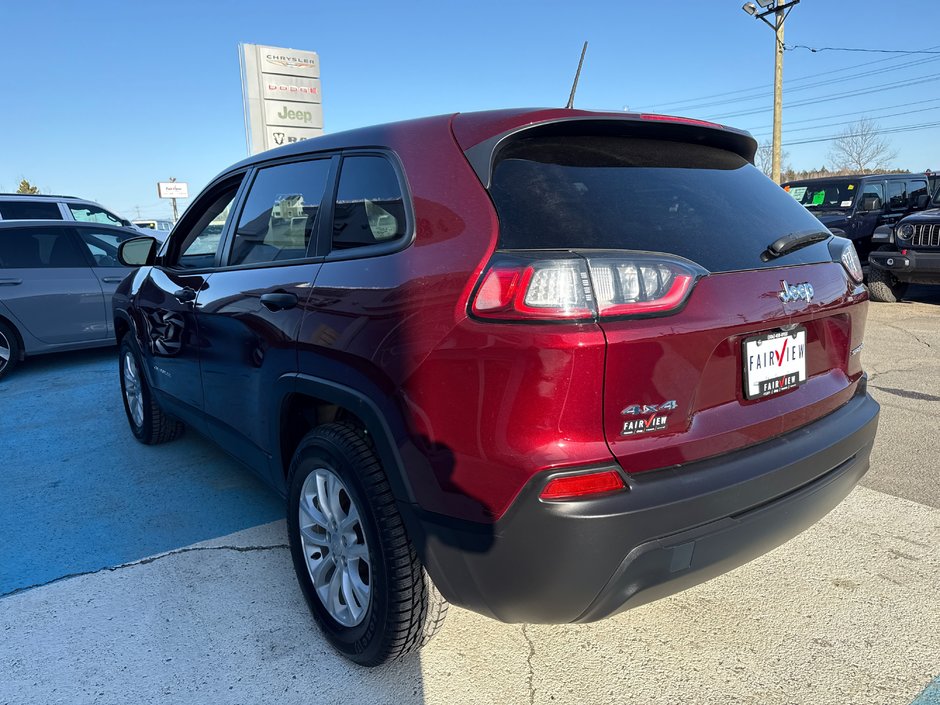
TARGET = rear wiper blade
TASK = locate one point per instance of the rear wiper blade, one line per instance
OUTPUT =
(792, 241)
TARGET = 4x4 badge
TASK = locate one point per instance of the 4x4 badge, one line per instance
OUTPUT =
(637, 409)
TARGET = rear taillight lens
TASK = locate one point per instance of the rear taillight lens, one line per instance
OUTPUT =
(583, 287)
(579, 486)
(631, 286)
(549, 289)
(842, 250)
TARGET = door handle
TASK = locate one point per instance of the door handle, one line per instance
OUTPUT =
(10, 282)
(278, 301)
(185, 295)
(112, 280)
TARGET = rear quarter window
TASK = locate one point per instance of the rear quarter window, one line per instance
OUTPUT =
(601, 192)
(369, 208)
(26, 210)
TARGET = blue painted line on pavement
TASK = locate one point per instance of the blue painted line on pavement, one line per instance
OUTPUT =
(78, 493)
(931, 694)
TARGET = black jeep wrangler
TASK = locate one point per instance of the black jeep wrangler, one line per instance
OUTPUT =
(906, 253)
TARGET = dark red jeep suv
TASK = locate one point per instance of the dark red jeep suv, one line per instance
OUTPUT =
(546, 365)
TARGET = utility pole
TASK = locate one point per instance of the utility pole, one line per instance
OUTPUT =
(781, 10)
(176, 215)
(778, 96)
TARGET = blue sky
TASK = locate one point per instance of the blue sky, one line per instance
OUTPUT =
(103, 99)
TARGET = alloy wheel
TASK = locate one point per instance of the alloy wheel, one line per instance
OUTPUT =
(5, 351)
(132, 389)
(335, 547)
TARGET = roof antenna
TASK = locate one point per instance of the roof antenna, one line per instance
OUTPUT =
(577, 75)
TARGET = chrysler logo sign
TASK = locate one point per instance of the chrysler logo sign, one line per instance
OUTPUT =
(291, 61)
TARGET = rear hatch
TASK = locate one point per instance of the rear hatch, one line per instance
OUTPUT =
(714, 341)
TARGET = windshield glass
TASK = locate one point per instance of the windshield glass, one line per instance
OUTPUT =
(601, 192)
(824, 195)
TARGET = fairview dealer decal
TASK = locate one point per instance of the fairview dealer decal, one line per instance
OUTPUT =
(634, 427)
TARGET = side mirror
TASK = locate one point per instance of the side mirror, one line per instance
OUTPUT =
(922, 201)
(137, 252)
(871, 203)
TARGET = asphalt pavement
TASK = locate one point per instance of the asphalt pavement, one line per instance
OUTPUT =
(151, 575)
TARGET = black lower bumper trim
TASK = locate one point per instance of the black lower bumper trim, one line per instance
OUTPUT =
(910, 263)
(581, 561)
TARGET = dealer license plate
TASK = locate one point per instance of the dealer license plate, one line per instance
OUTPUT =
(774, 363)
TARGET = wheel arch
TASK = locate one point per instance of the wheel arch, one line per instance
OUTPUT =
(303, 402)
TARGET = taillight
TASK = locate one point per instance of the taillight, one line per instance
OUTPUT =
(583, 287)
(577, 486)
(544, 289)
(629, 286)
(842, 250)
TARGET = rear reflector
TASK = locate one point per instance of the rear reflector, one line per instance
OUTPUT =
(575, 486)
(522, 286)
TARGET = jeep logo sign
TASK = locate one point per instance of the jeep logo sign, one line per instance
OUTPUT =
(796, 292)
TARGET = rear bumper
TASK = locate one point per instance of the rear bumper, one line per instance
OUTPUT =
(581, 561)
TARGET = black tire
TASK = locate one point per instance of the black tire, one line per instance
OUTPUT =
(10, 343)
(884, 287)
(405, 609)
(155, 426)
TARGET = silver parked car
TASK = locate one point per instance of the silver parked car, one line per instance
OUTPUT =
(29, 206)
(56, 282)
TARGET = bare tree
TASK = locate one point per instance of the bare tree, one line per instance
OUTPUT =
(859, 148)
(765, 157)
(26, 187)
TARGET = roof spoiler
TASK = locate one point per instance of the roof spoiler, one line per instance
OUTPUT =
(482, 156)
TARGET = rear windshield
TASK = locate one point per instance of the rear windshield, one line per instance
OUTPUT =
(824, 195)
(599, 192)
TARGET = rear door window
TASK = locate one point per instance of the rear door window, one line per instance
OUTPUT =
(606, 192)
(897, 195)
(916, 189)
(281, 213)
(39, 248)
(369, 207)
(29, 210)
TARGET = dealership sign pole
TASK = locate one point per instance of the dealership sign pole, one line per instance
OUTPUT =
(173, 189)
(281, 93)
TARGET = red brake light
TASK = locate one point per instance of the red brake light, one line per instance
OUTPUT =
(575, 486)
(685, 121)
(544, 289)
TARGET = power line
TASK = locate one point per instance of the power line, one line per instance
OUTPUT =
(841, 96)
(851, 122)
(790, 82)
(867, 51)
(839, 115)
(886, 131)
(817, 84)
